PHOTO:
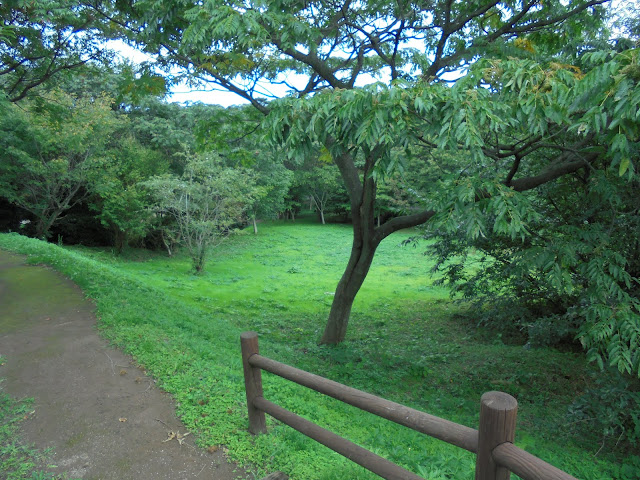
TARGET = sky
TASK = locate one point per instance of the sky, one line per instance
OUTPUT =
(179, 93)
(182, 93)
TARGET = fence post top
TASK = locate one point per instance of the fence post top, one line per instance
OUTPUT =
(248, 335)
(499, 401)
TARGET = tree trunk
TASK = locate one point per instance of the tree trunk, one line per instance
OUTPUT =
(362, 194)
(41, 230)
(348, 286)
(45, 222)
(119, 239)
(255, 226)
(366, 238)
(199, 259)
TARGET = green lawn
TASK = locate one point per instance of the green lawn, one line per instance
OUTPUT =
(404, 343)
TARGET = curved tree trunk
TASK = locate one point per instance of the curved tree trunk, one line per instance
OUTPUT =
(366, 238)
(348, 287)
(362, 194)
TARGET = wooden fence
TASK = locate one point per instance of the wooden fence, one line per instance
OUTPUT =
(496, 455)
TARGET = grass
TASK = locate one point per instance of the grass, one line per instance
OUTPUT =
(18, 460)
(404, 343)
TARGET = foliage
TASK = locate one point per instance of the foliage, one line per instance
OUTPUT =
(40, 40)
(612, 407)
(567, 255)
(204, 204)
(235, 134)
(236, 45)
(50, 150)
(118, 194)
(322, 184)
(167, 128)
(130, 86)
(184, 331)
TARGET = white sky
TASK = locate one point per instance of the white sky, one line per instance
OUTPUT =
(183, 93)
(178, 93)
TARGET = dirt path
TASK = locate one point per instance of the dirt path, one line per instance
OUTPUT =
(102, 417)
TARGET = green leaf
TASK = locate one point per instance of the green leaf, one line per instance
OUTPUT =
(624, 165)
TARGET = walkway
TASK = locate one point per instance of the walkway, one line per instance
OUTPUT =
(102, 417)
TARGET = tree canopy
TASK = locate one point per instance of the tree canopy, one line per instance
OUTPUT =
(39, 40)
(522, 110)
(51, 151)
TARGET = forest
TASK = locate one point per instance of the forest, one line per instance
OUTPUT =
(495, 144)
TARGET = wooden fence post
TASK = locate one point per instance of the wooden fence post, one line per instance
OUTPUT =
(497, 425)
(252, 382)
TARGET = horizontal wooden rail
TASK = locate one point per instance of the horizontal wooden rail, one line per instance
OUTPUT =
(496, 455)
(450, 432)
(355, 453)
(525, 465)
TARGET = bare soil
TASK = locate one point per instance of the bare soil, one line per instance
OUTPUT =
(102, 417)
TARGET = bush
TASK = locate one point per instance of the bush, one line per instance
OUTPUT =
(612, 408)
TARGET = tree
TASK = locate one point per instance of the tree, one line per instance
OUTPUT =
(50, 149)
(510, 132)
(117, 191)
(321, 183)
(39, 40)
(564, 258)
(235, 134)
(240, 45)
(204, 204)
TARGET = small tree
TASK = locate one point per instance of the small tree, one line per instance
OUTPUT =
(204, 204)
(119, 198)
(49, 151)
(323, 185)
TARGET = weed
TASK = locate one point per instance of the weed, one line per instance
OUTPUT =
(18, 460)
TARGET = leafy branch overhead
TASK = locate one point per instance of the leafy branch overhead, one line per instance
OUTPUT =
(241, 45)
(40, 41)
(502, 113)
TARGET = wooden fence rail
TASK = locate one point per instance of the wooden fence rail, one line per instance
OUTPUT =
(496, 455)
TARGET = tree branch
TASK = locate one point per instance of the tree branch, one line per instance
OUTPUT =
(398, 223)
(551, 173)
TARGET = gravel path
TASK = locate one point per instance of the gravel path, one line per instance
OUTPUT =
(102, 417)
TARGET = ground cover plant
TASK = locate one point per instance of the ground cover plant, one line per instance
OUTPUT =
(18, 460)
(406, 345)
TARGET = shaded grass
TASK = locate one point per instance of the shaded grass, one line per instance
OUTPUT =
(404, 343)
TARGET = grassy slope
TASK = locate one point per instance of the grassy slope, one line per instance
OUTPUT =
(402, 344)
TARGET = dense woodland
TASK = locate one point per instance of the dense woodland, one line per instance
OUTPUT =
(506, 133)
